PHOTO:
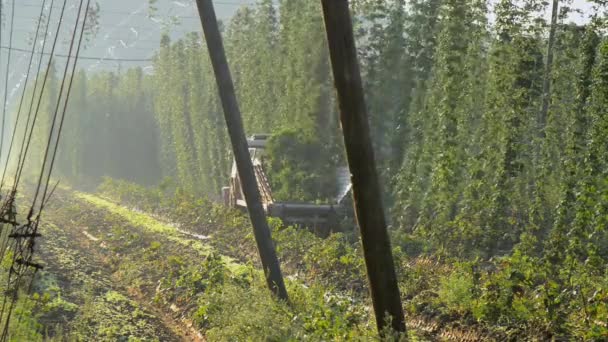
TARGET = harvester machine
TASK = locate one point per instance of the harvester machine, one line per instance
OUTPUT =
(320, 218)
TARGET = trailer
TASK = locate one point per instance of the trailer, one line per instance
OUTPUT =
(322, 219)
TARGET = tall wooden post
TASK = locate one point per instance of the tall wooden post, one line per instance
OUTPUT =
(240, 148)
(366, 187)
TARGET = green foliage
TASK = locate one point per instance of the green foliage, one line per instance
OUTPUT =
(113, 317)
(335, 261)
(142, 128)
(109, 128)
(456, 292)
(221, 297)
(496, 222)
(298, 167)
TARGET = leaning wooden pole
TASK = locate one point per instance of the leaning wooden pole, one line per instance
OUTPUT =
(366, 187)
(244, 165)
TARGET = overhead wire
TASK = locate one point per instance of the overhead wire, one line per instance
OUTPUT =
(7, 214)
(109, 59)
(55, 115)
(8, 210)
(85, 57)
(25, 247)
(28, 137)
(65, 106)
(22, 231)
(27, 77)
(25, 240)
(8, 65)
(221, 3)
(32, 100)
(26, 234)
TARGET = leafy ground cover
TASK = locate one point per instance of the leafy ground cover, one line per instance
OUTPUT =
(134, 263)
(502, 298)
(132, 268)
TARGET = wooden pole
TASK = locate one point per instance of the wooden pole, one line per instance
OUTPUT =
(366, 187)
(244, 165)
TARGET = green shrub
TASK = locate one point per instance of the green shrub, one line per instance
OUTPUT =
(299, 167)
(456, 292)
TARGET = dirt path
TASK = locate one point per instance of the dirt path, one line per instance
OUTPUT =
(80, 260)
(91, 240)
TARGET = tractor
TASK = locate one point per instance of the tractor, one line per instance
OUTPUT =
(322, 219)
